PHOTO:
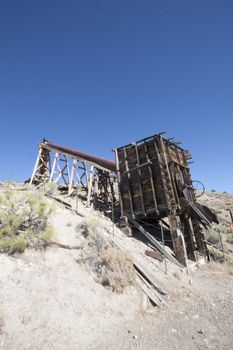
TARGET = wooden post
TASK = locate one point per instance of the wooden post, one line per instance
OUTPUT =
(119, 182)
(129, 185)
(178, 245)
(86, 176)
(59, 172)
(53, 166)
(36, 165)
(113, 216)
(165, 260)
(90, 185)
(72, 176)
(68, 169)
(188, 233)
(139, 179)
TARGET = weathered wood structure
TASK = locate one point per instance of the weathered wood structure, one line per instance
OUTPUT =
(155, 183)
(74, 169)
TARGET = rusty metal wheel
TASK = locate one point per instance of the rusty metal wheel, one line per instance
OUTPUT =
(198, 187)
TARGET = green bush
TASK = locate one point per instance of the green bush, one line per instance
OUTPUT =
(23, 221)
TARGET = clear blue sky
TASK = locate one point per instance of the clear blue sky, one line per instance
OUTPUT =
(98, 74)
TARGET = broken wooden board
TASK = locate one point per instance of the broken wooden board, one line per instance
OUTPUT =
(149, 293)
(155, 242)
(66, 204)
(154, 254)
(150, 278)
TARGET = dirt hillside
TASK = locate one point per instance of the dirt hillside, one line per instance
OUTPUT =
(52, 299)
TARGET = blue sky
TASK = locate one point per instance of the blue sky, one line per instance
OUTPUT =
(98, 74)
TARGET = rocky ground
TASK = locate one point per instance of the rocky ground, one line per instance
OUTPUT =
(50, 300)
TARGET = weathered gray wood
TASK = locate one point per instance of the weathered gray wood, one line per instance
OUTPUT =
(60, 201)
(154, 241)
(149, 293)
(177, 239)
(128, 179)
(153, 281)
(91, 179)
(155, 293)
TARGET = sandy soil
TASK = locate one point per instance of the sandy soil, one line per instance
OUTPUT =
(49, 300)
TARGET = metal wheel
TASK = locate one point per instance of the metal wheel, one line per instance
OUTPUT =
(198, 187)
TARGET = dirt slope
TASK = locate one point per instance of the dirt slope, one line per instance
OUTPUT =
(49, 300)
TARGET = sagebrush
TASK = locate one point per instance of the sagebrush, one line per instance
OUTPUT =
(23, 221)
(113, 269)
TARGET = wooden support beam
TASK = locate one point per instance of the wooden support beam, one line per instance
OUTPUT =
(90, 187)
(73, 170)
(154, 241)
(139, 179)
(56, 157)
(129, 186)
(178, 244)
(189, 239)
(36, 165)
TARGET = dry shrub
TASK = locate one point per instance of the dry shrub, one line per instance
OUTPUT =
(115, 270)
(112, 267)
(89, 227)
(23, 221)
(216, 255)
(220, 257)
(212, 236)
(51, 189)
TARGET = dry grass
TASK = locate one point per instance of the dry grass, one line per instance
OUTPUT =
(216, 255)
(113, 269)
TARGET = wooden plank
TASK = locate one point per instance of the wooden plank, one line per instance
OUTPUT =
(90, 185)
(154, 241)
(149, 277)
(36, 166)
(148, 285)
(66, 204)
(129, 189)
(151, 178)
(139, 179)
(177, 241)
(163, 192)
(189, 238)
(148, 291)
